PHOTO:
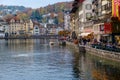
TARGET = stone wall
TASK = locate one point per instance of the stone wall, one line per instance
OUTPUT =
(104, 54)
(97, 52)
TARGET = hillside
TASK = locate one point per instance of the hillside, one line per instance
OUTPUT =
(55, 12)
(4, 10)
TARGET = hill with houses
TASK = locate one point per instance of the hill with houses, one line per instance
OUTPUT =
(31, 22)
(42, 14)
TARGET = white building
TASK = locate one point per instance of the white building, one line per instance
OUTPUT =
(39, 29)
(3, 28)
(1, 31)
(85, 14)
(66, 20)
(36, 30)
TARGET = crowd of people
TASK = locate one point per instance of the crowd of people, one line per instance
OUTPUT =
(93, 42)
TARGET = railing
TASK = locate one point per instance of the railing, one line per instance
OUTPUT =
(104, 47)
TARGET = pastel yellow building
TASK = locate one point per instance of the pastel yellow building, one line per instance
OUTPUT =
(18, 27)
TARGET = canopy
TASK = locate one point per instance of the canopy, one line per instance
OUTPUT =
(84, 34)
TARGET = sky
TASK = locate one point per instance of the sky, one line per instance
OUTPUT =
(31, 3)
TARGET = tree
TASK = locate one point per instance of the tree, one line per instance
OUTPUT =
(44, 20)
(23, 16)
(36, 16)
(60, 17)
(56, 20)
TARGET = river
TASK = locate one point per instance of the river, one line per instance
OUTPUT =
(35, 59)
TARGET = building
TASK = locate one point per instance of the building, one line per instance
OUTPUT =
(115, 21)
(51, 29)
(85, 15)
(74, 23)
(3, 28)
(18, 27)
(38, 29)
(29, 27)
(66, 20)
(81, 15)
(102, 10)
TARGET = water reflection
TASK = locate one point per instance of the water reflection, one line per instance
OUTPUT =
(105, 70)
(37, 60)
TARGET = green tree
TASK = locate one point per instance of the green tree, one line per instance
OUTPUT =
(36, 16)
(56, 20)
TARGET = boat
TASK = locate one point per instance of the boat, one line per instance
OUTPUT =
(62, 43)
(52, 43)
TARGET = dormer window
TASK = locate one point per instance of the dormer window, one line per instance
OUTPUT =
(36, 28)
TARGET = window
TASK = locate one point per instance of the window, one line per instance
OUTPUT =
(36, 28)
(88, 6)
(88, 15)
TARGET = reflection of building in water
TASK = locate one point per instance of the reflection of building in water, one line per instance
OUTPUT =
(79, 66)
(20, 50)
(20, 45)
(84, 67)
(104, 70)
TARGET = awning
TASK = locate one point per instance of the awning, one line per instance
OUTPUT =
(84, 34)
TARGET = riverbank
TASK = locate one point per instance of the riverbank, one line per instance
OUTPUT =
(97, 52)
(103, 53)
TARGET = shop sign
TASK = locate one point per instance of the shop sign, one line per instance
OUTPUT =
(107, 28)
(80, 1)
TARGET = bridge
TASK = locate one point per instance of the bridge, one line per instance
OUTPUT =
(45, 36)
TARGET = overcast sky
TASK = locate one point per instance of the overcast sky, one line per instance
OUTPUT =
(31, 3)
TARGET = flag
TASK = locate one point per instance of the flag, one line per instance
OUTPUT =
(117, 2)
(115, 8)
(107, 28)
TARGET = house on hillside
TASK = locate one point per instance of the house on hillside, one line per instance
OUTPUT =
(38, 29)
(51, 29)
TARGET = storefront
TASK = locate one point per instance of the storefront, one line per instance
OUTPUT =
(98, 30)
(107, 32)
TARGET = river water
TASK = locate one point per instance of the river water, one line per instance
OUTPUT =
(37, 60)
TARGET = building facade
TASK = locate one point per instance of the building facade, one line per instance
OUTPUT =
(102, 10)
(66, 20)
(85, 15)
(18, 27)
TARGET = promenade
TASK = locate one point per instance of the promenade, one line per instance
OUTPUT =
(111, 55)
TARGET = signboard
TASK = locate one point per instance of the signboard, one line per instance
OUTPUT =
(81, 1)
(107, 28)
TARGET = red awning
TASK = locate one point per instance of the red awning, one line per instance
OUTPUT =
(107, 28)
